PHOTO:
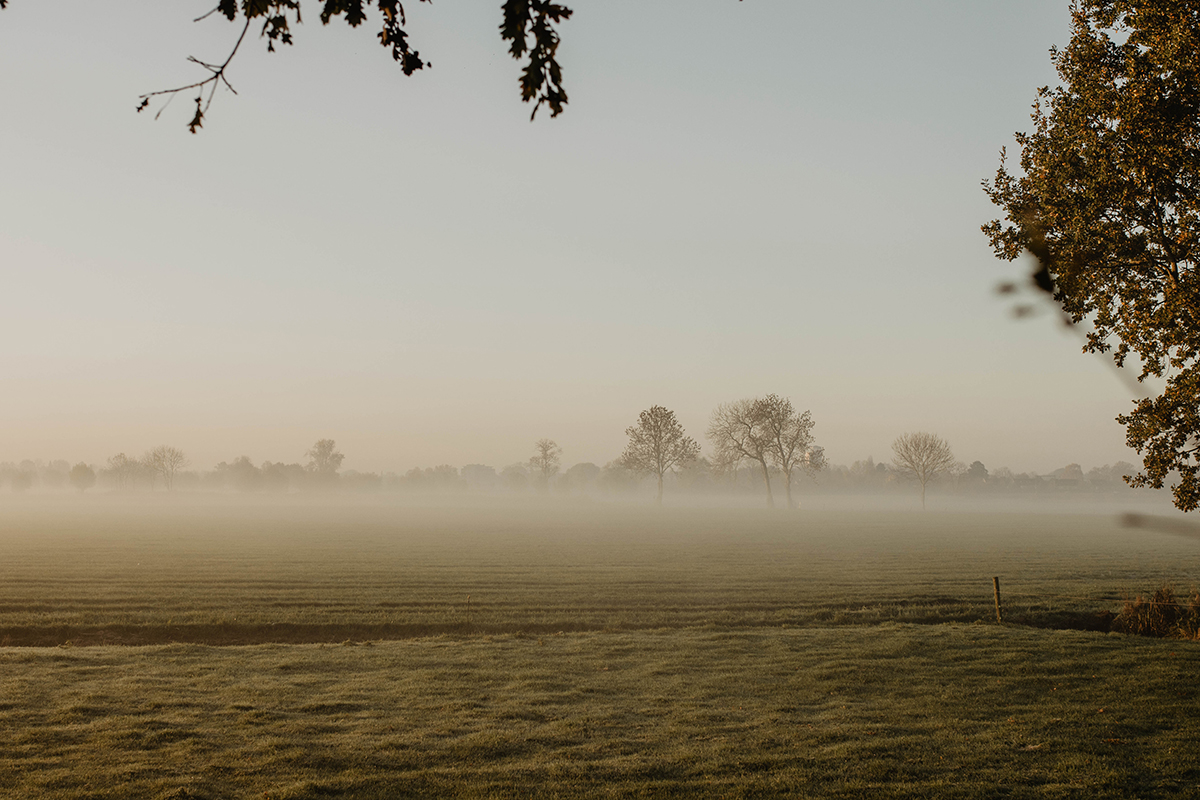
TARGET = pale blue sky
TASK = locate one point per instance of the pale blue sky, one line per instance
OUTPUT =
(741, 198)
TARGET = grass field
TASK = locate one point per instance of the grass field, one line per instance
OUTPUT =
(604, 652)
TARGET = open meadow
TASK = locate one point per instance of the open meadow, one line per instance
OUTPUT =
(287, 648)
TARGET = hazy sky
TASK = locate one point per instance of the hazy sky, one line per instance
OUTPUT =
(741, 198)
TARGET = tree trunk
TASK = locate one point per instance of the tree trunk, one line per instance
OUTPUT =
(767, 480)
(922, 495)
(660, 488)
(787, 485)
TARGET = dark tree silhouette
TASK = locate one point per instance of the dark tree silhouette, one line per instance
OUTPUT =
(528, 26)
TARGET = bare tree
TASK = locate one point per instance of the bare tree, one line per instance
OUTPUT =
(123, 470)
(546, 460)
(737, 435)
(788, 439)
(922, 456)
(166, 462)
(657, 445)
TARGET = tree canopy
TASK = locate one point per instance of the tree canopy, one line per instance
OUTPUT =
(767, 431)
(657, 445)
(324, 460)
(737, 435)
(1108, 199)
(922, 457)
(547, 458)
(790, 445)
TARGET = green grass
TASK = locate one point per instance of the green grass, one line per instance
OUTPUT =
(893, 710)
(605, 652)
(184, 572)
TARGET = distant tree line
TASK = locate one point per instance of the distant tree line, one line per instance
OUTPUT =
(760, 447)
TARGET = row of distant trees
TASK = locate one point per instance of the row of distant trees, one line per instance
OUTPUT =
(698, 477)
(166, 466)
(162, 463)
(764, 442)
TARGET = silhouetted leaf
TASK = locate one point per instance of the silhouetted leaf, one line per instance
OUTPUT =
(198, 118)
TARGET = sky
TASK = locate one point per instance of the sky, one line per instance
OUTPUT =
(741, 198)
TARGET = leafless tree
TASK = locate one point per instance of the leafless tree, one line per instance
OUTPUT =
(546, 460)
(737, 435)
(166, 462)
(123, 470)
(657, 445)
(922, 456)
(788, 438)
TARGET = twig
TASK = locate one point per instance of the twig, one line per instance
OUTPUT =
(216, 78)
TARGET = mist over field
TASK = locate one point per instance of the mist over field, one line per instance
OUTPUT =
(217, 645)
(673, 399)
(757, 451)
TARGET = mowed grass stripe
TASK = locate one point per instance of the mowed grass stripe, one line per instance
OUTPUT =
(885, 711)
(175, 570)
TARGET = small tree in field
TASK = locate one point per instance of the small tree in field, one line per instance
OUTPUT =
(123, 471)
(546, 460)
(922, 456)
(657, 445)
(166, 462)
(737, 436)
(82, 477)
(324, 461)
(788, 438)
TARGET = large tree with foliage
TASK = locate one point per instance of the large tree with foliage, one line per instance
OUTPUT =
(658, 445)
(1108, 199)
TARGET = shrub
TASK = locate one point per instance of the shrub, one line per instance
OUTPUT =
(1161, 615)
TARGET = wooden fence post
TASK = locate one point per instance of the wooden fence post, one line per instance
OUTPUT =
(996, 591)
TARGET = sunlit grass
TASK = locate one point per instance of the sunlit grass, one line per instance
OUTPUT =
(894, 710)
(220, 573)
(604, 652)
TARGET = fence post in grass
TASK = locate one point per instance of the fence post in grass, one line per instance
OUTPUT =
(996, 591)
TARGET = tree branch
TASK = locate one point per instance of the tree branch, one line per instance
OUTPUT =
(216, 78)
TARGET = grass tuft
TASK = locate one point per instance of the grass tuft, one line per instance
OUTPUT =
(1162, 615)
